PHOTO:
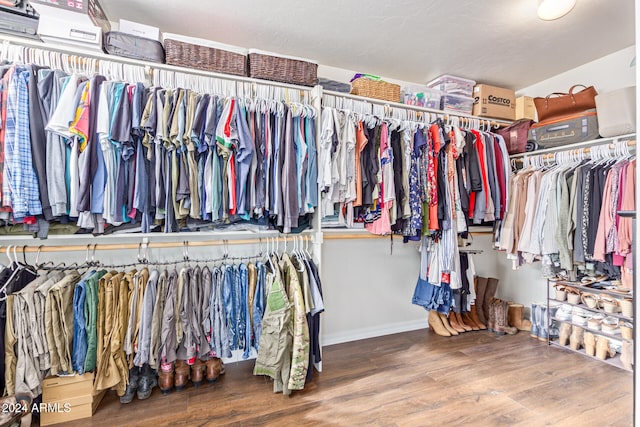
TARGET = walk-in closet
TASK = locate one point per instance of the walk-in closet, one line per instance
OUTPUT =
(415, 213)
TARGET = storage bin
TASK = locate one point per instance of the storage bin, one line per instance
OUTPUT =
(378, 89)
(456, 103)
(204, 55)
(281, 68)
(422, 97)
(616, 112)
(453, 85)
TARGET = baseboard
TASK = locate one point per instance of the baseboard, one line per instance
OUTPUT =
(372, 332)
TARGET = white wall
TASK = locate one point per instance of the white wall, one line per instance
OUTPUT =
(606, 74)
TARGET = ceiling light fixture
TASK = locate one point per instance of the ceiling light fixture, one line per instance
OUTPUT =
(548, 10)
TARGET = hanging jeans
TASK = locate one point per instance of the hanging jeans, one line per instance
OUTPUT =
(244, 326)
(220, 333)
(79, 327)
(230, 307)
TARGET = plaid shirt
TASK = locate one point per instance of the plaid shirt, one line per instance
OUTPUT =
(23, 182)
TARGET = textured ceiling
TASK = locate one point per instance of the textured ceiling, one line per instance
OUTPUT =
(493, 41)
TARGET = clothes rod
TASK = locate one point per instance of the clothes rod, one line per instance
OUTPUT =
(445, 114)
(576, 146)
(152, 65)
(150, 245)
(550, 155)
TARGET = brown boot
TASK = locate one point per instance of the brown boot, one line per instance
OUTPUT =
(481, 287)
(589, 343)
(565, 333)
(182, 374)
(474, 315)
(502, 319)
(165, 379)
(491, 316)
(461, 322)
(466, 317)
(516, 317)
(454, 323)
(489, 294)
(197, 372)
(446, 324)
(215, 368)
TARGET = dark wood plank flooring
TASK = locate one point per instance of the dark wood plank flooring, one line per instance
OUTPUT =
(410, 379)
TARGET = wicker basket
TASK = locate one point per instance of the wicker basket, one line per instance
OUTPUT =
(377, 89)
(284, 69)
(205, 55)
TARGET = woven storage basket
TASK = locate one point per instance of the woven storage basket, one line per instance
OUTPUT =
(377, 89)
(284, 69)
(204, 55)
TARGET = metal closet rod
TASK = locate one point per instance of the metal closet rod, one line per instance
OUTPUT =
(79, 52)
(551, 153)
(444, 114)
(150, 245)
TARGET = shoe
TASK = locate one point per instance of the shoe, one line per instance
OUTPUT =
(516, 317)
(435, 324)
(132, 385)
(166, 378)
(534, 332)
(576, 340)
(481, 288)
(491, 318)
(197, 372)
(565, 333)
(445, 323)
(503, 319)
(182, 375)
(627, 354)
(461, 323)
(215, 367)
(453, 321)
(466, 318)
(147, 382)
(489, 294)
(543, 322)
(603, 348)
(589, 343)
(474, 315)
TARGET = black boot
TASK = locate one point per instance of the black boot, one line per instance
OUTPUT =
(147, 382)
(132, 386)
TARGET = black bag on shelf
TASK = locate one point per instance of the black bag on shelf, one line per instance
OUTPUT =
(135, 47)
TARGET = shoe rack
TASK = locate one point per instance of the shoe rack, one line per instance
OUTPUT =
(598, 293)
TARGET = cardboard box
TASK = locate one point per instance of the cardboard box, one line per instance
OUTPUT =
(494, 102)
(140, 30)
(68, 398)
(525, 108)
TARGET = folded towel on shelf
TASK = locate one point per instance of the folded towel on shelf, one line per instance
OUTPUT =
(531, 146)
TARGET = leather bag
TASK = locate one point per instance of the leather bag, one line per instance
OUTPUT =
(515, 135)
(560, 104)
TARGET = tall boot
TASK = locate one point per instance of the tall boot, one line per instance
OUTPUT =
(435, 324)
(474, 315)
(491, 318)
(166, 378)
(197, 372)
(481, 288)
(182, 374)
(589, 342)
(576, 340)
(468, 320)
(627, 354)
(503, 320)
(603, 348)
(489, 293)
(453, 321)
(516, 317)
(445, 323)
(534, 321)
(565, 333)
(461, 322)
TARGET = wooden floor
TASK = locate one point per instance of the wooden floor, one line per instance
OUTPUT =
(409, 379)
